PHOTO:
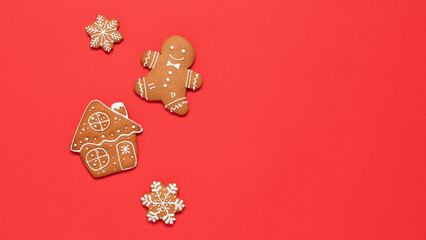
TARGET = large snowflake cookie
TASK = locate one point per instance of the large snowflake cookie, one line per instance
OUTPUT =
(106, 139)
(162, 202)
(170, 75)
(104, 33)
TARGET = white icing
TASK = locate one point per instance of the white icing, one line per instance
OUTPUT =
(151, 86)
(195, 81)
(177, 65)
(117, 105)
(105, 33)
(126, 149)
(146, 59)
(155, 61)
(171, 47)
(168, 79)
(94, 125)
(103, 154)
(103, 136)
(140, 87)
(179, 105)
(165, 85)
(174, 101)
(146, 94)
(183, 51)
(188, 78)
(163, 201)
(170, 72)
(177, 59)
(153, 57)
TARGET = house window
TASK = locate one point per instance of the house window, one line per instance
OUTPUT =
(97, 159)
(99, 121)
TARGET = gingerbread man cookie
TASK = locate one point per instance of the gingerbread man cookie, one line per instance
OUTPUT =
(170, 75)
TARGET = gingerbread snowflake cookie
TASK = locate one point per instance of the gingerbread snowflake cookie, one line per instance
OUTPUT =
(106, 139)
(104, 33)
(162, 202)
(170, 75)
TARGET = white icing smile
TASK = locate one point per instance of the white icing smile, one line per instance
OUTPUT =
(177, 59)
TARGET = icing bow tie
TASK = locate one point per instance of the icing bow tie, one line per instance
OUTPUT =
(177, 65)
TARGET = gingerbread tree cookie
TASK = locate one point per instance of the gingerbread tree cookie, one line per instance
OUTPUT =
(170, 75)
(162, 202)
(106, 139)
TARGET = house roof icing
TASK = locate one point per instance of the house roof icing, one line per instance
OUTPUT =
(100, 123)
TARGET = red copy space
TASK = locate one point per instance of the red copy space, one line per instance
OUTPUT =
(310, 123)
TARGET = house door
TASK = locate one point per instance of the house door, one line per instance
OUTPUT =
(126, 155)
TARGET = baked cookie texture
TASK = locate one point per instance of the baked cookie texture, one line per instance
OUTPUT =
(170, 75)
(103, 33)
(162, 202)
(106, 139)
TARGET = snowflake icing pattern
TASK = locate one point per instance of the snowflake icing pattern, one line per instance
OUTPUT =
(162, 202)
(125, 149)
(104, 33)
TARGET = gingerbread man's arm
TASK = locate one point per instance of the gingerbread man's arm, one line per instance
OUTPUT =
(149, 59)
(193, 80)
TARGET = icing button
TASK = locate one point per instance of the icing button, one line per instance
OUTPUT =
(164, 85)
(168, 79)
(170, 72)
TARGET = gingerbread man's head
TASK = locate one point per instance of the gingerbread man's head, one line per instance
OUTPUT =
(178, 50)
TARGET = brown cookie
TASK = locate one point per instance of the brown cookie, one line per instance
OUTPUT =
(104, 33)
(106, 139)
(162, 202)
(170, 75)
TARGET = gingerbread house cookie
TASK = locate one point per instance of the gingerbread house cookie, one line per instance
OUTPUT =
(106, 139)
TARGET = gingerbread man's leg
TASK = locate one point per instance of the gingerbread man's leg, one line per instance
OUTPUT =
(177, 104)
(147, 89)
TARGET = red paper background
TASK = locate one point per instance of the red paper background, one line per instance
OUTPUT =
(310, 123)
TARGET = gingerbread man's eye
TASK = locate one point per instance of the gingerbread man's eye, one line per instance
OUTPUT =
(171, 47)
(183, 50)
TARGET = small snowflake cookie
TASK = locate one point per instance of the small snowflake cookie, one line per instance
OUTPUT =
(162, 202)
(104, 33)
(106, 139)
(170, 75)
